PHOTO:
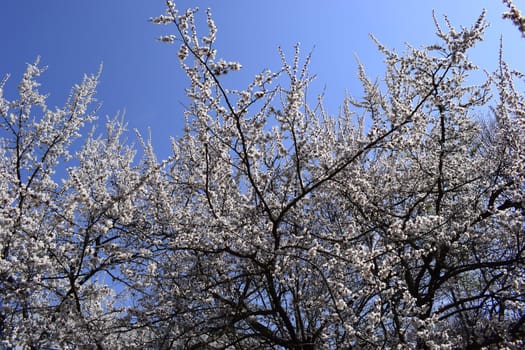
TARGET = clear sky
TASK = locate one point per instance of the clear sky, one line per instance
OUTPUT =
(142, 76)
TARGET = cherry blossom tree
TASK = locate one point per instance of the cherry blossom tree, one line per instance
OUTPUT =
(396, 224)
(67, 214)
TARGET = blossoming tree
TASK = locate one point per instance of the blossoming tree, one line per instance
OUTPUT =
(63, 241)
(398, 223)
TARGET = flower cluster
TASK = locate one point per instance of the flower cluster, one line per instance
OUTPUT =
(515, 16)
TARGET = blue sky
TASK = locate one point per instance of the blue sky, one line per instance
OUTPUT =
(142, 76)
